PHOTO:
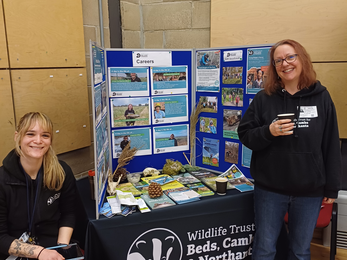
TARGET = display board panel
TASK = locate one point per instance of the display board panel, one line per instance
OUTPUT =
(3, 47)
(7, 121)
(62, 95)
(45, 33)
(167, 73)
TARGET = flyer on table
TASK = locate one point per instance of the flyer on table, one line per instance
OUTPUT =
(169, 80)
(210, 154)
(126, 112)
(169, 109)
(171, 138)
(128, 82)
(207, 71)
(139, 138)
(258, 60)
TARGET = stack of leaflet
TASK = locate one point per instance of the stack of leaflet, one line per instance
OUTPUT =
(123, 203)
(185, 196)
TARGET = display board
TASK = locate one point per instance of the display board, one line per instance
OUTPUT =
(226, 81)
(150, 99)
(101, 127)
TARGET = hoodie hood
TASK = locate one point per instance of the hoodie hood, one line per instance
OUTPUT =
(11, 164)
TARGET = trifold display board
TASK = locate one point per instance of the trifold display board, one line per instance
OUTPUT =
(150, 95)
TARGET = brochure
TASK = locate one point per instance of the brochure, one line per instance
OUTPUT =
(128, 187)
(186, 196)
(203, 174)
(141, 204)
(140, 184)
(201, 189)
(161, 202)
(168, 191)
(185, 178)
(171, 185)
(244, 187)
(126, 198)
(160, 179)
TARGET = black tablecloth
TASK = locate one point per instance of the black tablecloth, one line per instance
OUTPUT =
(214, 226)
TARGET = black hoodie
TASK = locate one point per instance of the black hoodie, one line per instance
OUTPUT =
(306, 163)
(54, 209)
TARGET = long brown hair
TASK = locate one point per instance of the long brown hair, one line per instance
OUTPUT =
(307, 76)
(54, 175)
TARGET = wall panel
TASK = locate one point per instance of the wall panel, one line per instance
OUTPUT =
(3, 47)
(7, 122)
(62, 95)
(319, 25)
(331, 75)
(44, 33)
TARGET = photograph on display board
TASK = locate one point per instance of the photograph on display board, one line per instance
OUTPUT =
(210, 153)
(128, 82)
(210, 104)
(258, 61)
(231, 121)
(232, 75)
(208, 125)
(246, 156)
(138, 137)
(101, 137)
(231, 152)
(232, 97)
(207, 71)
(171, 138)
(97, 103)
(130, 112)
(169, 109)
(169, 80)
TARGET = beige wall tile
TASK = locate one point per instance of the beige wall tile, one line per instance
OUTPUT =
(181, 39)
(130, 14)
(154, 40)
(90, 11)
(131, 1)
(201, 14)
(89, 34)
(131, 39)
(178, 0)
(107, 41)
(150, 1)
(167, 16)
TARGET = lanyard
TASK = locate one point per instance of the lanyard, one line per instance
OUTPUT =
(31, 216)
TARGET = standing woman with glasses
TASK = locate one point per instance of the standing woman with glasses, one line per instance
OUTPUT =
(296, 165)
(37, 194)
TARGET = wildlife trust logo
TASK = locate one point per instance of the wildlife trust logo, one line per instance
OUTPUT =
(156, 244)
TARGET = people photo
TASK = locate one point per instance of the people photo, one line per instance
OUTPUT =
(172, 137)
(128, 113)
(296, 165)
(124, 142)
(134, 78)
(258, 82)
(158, 113)
(38, 193)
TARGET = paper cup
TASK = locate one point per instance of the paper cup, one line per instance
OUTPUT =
(221, 184)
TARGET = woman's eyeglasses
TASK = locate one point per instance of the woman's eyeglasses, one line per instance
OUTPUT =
(289, 59)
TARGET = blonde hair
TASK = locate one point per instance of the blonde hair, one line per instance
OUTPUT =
(54, 174)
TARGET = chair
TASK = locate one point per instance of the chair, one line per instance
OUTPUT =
(327, 213)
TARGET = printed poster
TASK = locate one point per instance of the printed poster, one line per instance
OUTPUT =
(210, 154)
(169, 80)
(258, 61)
(171, 138)
(231, 152)
(232, 97)
(128, 112)
(101, 138)
(208, 125)
(232, 55)
(207, 71)
(231, 121)
(128, 82)
(210, 104)
(138, 137)
(246, 156)
(232, 75)
(169, 109)
(97, 103)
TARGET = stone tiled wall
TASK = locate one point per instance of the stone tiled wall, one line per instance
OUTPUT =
(91, 25)
(169, 24)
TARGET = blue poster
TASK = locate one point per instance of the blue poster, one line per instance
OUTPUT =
(98, 64)
(208, 70)
(246, 156)
(169, 80)
(139, 138)
(171, 138)
(101, 138)
(128, 82)
(97, 103)
(169, 109)
(258, 61)
(210, 154)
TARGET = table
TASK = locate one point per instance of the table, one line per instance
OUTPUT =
(215, 226)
